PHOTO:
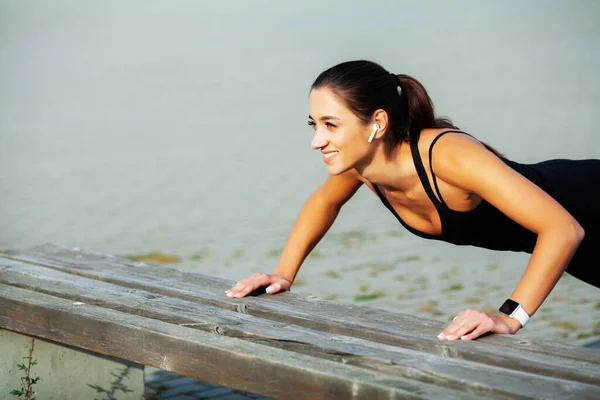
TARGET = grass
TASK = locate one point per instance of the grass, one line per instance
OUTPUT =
(353, 239)
(409, 258)
(315, 254)
(332, 274)
(422, 281)
(369, 296)
(200, 256)
(452, 272)
(155, 258)
(584, 335)
(299, 282)
(492, 267)
(364, 288)
(472, 300)
(431, 307)
(237, 253)
(376, 268)
(566, 325)
(455, 287)
(274, 253)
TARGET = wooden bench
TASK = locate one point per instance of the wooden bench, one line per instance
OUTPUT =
(283, 346)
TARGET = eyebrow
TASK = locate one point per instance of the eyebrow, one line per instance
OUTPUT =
(325, 118)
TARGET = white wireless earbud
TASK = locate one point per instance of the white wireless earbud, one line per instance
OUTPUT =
(375, 128)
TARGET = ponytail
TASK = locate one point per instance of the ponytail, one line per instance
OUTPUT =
(365, 87)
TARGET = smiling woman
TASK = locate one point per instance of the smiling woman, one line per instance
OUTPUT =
(376, 129)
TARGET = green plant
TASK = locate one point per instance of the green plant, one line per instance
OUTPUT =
(369, 296)
(27, 381)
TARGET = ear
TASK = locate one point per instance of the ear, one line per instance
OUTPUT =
(380, 117)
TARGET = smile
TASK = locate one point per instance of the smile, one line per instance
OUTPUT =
(329, 155)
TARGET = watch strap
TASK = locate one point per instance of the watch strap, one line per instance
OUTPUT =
(520, 315)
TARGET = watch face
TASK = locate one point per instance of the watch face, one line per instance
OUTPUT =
(509, 307)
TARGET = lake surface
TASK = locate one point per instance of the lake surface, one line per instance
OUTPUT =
(130, 127)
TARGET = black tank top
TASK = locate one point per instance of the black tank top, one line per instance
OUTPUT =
(575, 184)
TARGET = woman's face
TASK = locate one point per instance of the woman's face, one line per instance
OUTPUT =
(339, 135)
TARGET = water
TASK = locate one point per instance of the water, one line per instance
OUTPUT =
(129, 127)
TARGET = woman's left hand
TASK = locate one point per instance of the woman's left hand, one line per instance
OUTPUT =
(470, 324)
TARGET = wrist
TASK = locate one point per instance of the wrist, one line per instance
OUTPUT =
(513, 325)
(514, 311)
(284, 274)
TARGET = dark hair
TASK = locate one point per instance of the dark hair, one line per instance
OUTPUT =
(365, 86)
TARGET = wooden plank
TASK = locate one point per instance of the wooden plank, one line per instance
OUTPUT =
(483, 380)
(399, 330)
(219, 359)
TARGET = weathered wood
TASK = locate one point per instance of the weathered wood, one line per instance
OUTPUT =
(315, 313)
(483, 380)
(219, 359)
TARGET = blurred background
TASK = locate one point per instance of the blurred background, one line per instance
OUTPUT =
(179, 127)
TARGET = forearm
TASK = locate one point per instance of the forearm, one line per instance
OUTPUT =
(551, 256)
(315, 219)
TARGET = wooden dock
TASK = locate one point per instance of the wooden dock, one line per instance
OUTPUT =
(281, 346)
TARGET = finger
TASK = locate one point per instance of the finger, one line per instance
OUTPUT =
(480, 330)
(457, 328)
(240, 285)
(243, 283)
(274, 288)
(262, 280)
(463, 330)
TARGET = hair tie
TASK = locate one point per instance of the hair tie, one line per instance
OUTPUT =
(397, 81)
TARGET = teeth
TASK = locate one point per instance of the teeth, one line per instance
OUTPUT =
(328, 155)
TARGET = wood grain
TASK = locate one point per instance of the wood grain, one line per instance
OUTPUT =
(389, 345)
(191, 352)
(483, 379)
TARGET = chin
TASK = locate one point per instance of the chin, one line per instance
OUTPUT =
(336, 170)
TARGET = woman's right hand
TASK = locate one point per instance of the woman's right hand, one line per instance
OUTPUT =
(274, 283)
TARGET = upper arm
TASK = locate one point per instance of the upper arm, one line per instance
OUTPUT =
(338, 189)
(465, 163)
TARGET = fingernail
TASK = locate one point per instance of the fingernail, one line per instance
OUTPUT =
(450, 337)
(441, 336)
(238, 295)
(464, 337)
(269, 289)
(229, 294)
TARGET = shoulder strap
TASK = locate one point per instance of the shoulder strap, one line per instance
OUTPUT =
(423, 174)
(414, 149)
(431, 162)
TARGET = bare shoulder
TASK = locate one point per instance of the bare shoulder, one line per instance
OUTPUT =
(465, 162)
(454, 139)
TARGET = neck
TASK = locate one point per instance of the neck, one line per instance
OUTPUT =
(389, 172)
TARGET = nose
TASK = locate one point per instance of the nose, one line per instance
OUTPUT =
(319, 140)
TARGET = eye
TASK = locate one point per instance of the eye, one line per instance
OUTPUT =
(311, 123)
(329, 125)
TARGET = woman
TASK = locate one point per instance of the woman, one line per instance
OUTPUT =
(378, 129)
